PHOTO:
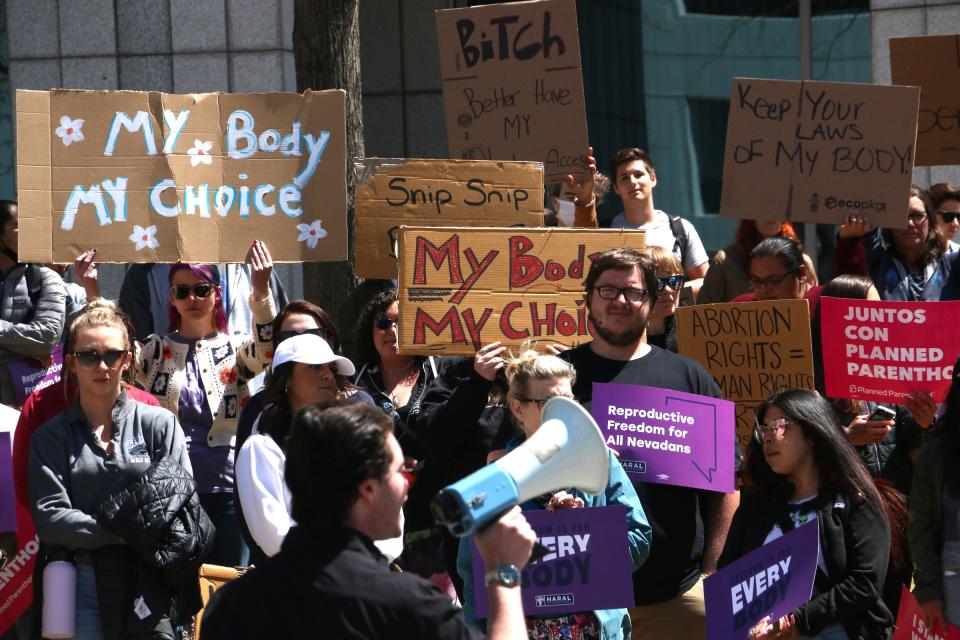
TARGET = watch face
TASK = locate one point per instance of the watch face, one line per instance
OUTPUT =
(509, 575)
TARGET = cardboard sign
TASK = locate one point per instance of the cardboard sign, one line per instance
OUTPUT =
(752, 349)
(933, 64)
(460, 289)
(668, 437)
(157, 177)
(876, 350)
(438, 193)
(814, 151)
(29, 374)
(911, 626)
(512, 86)
(588, 566)
(770, 581)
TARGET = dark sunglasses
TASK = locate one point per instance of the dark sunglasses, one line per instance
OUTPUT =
(674, 282)
(181, 291)
(92, 359)
(384, 323)
(948, 216)
(410, 469)
(283, 335)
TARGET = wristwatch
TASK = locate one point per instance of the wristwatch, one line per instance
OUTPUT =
(507, 575)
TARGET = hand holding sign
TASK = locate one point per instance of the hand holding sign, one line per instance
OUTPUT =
(489, 360)
(584, 189)
(85, 271)
(854, 225)
(922, 407)
(261, 266)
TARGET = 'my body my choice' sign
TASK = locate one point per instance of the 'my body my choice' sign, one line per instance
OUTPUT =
(157, 177)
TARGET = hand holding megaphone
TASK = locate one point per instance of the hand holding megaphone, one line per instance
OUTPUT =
(508, 540)
(567, 450)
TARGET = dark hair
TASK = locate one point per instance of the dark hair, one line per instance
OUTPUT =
(6, 211)
(837, 461)
(949, 426)
(206, 274)
(941, 192)
(307, 308)
(848, 285)
(334, 447)
(936, 243)
(628, 155)
(622, 259)
(375, 307)
(783, 249)
(748, 237)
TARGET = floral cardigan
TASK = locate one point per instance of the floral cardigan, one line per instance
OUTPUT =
(226, 364)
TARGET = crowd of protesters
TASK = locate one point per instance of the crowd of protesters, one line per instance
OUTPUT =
(310, 480)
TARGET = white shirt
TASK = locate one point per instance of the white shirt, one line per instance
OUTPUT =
(659, 234)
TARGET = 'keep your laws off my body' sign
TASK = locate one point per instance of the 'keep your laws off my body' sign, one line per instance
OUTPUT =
(814, 151)
(512, 84)
(157, 177)
(460, 288)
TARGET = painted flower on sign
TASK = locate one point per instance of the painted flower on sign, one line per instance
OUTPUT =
(70, 131)
(200, 152)
(311, 233)
(143, 237)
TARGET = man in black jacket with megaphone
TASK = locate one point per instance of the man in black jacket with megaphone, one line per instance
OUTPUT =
(348, 481)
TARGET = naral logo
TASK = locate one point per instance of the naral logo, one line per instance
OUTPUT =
(860, 205)
(814, 202)
(634, 465)
(554, 600)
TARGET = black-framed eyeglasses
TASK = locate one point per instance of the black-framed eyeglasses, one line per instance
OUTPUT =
(410, 469)
(769, 282)
(384, 323)
(201, 290)
(630, 294)
(775, 429)
(539, 401)
(283, 335)
(675, 282)
(916, 218)
(948, 216)
(92, 359)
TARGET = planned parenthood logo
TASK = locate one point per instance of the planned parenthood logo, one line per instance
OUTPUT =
(554, 599)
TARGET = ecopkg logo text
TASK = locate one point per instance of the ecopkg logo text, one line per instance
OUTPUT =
(833, 202)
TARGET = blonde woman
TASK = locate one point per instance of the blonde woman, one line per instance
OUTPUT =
(533, 379)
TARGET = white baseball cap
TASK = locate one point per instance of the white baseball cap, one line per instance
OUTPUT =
(308, 348)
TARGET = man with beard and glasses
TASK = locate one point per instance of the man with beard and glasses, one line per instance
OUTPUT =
(689, 525)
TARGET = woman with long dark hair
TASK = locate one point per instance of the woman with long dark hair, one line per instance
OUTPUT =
(800, 468)
(934, 511)
(728, 275)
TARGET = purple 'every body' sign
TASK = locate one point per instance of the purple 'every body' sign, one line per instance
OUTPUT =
(588, 567)
(668, 437)
(29, 374)
(770, 581)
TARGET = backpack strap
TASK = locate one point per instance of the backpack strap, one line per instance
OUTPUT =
(679, 239)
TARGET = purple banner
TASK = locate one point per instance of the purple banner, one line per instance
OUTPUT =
(588, 567)
(668, 437)
(8, 516)
(771, 581)
(29, 374)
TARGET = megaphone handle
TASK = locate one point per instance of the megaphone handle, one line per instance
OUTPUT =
(538, 552)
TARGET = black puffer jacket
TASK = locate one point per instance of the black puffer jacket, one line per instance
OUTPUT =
(160, 517)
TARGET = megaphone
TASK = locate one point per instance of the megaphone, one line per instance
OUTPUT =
(567, 450)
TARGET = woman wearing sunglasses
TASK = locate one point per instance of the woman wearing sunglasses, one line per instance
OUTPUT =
(200, 373)
(800, 469)
(661, 325)
(728, 276)
(305, 371)
(945, 199)
(909, 264)
(104, 442)
(398, 384)
(533, 379)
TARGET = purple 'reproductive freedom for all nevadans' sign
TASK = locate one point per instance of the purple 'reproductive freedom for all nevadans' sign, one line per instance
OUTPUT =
(668, 437)
(8, 520)
(30, 375)
(770, 581)
(587, 567)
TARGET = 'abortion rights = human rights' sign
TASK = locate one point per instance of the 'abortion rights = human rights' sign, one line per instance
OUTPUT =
(668, 437)
(881, 351)
(157, 177)
(770, 581)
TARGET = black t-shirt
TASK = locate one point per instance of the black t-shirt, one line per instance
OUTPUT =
(674, 513)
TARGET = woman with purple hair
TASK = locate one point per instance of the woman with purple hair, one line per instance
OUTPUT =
(200, 373)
